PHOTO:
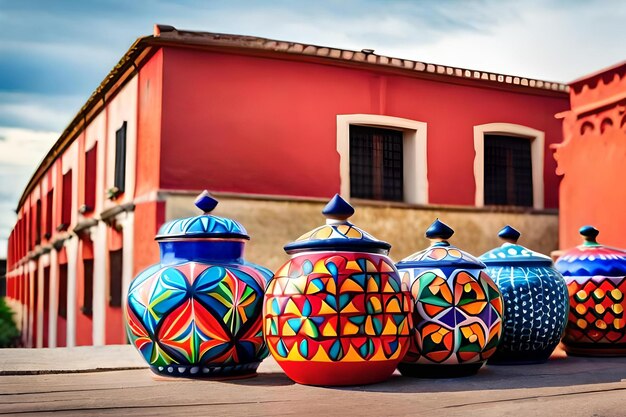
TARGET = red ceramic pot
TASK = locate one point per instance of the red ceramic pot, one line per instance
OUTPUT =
(596, 281)
(337, 313)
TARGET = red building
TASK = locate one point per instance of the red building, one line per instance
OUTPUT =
(591, 158)
(274, 129)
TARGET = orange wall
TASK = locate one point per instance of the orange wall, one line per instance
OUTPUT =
(230, 120)
(592, 159)
(594, 167)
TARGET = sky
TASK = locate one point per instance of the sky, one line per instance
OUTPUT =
(53, 54)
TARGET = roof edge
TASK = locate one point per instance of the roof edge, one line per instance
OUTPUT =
(80, 120)
(598, 73)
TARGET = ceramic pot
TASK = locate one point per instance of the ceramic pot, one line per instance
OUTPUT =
(337, 313)
(536, 302)
(457, 316)
(596, 279)
(197, 313)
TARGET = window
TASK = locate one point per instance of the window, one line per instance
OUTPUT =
(384, 156)
(87, 308)
(66, 208)
(48, 232)
(508, 166)
(62, 291)
(376, 170)
(90, 179)
(115, 279)
(120, 159)
(38, 223)
(508, 171)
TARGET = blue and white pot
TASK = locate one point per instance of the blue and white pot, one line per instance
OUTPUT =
(536, 301)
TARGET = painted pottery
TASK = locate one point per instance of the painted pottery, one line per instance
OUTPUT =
(457, 316)
(337, 313)
(536, 302)
(198, 312)
(596, 280)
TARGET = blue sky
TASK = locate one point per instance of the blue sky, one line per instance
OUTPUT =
(53, 54)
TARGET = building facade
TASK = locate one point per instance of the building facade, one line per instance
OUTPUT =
(273, 129)
(591, 158)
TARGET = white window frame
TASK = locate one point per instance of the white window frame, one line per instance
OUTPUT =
(414, 148)
(537, 141)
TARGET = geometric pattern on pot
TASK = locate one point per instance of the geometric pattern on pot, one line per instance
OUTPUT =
(349, 307)
(536, 304)
(193, 314)
(458, 319)
(596, 312)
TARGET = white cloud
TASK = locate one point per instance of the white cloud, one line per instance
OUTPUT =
(20, 152)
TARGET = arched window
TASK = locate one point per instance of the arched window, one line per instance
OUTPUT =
(508, 166)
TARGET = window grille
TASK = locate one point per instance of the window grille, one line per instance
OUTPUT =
(376, 163)
(508, 171)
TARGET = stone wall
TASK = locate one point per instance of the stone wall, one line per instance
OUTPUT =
(273, 223)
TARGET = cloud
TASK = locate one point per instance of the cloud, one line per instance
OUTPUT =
(20, 152)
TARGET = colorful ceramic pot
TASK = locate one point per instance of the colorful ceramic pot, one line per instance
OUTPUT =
(198, 312)
(337, 313)
(596, 279)
(457, 315)
(536, 302)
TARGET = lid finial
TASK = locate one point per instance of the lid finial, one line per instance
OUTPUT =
(337, 209)
(439, 231)
(206, 202)
(589, 233)
(509, 234)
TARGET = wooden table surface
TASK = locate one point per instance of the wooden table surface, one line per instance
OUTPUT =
(113, 380)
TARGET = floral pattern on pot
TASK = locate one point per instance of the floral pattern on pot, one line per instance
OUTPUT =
(457, 316)
(198, 313)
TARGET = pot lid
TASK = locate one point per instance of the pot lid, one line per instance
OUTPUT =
(203, 226)
(338, 233)
(592, 258)
(512, 253)
(440, 253)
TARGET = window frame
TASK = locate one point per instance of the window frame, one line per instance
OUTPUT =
(67, 183)
(90, 180)
(414, 147)
(537, 141)
(119, 171)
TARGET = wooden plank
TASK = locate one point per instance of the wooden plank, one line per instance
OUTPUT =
(576, 386)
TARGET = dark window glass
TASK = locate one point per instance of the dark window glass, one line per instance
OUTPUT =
(120, 158)
(38, 223)
(63, 290)
(87, 287)
(90, 178)
(31, 240)
(508, 171)
(66, 209)
(48, 215)
(376, 163)
(115, 283)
